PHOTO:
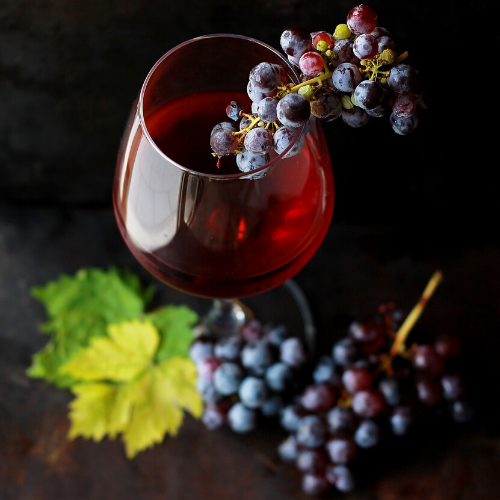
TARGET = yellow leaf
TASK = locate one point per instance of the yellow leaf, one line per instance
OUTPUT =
(159, 398)
(127, 353)
(99, 409)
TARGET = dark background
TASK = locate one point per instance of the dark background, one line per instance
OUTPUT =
(405, 206)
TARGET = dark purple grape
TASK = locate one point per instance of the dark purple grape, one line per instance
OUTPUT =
(344, 50)
(290, 417)
(259, 141)
(383, 109)
(326, 371)
(295, 41)
(288, 450)
(341, 477)
(311, 432)
(223, 142)
(357, 379)
(426, 359)
(462, 412)
(355, 117)
(278, 376)
(256, 358)
(368, 94)
(267, 110)
(284, 136)
(365, 47)
(248, 162)
(370, 329)
(313, 484)
(227, 378)
(361, 19)
(327, 107)
(275, 334)
(253, 392)
(241, 419)
(256, 94)
(346, 77)
(233, 110)
(293, 110)
(379, 31)
(368, 403)
(318, 398)
(227, 125)
(264, 77)
(245, 122)
(228, 348)
(341, 420)
(403, 78)
(429, 390)
(341, 450)
(272, 406)
(311, 461)
(368, 434)
(292, 352)
(404, 105)
(201, 348)
(453, 386)
(401, 420)
(345, 352)
(403, 126)
(389, 387)
(386, 42)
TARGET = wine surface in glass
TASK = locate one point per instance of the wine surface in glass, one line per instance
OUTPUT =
(220, 238)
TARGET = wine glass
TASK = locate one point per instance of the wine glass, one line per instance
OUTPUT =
(214, 231)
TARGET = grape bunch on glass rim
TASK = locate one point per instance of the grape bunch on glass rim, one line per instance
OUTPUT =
(370, 387)
(355, 73)
(248, 375)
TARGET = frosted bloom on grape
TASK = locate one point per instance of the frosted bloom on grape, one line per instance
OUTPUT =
(343, 48)
(293, 110)
(223, 142)
(295, 41)
(258, 141)
(264, 77)
(405, 105)
(403, 78)
(248, 162)
(355, 117)
(365, 47)
(368, 94)
(346, 77)
(362, 19)
(256, 95)
(284, 136)
(267, 110)
(402, 125)
(327, 107)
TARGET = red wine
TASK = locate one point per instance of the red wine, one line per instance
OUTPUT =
(218, 238)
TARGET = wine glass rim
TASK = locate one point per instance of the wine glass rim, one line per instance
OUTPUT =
(240, 175)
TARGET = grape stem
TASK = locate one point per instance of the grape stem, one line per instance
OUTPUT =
(415, 314)
(317, 79)
(400, 58)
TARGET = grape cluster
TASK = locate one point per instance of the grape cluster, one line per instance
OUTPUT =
(246, 375)
(362, 393)
(355, 73)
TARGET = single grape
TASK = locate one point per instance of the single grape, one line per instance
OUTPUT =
(227, 125)
(284, 136)
(288, 449)
(311, 432)
(311, 461)
(326, 371)
(341, 477)
(252, 331)
(267, 110)
(426, 359)
(379, 31)
(258, 141)
(214, 414)
(293, 110)
(241, 419)
(327, 107)
(272, 406)
(345, 352)
(313, 484)
(247, 162)
(264, 77)
(290, 417)
(429, 390)
(318, 398)
(368, 434)
(365, 47)
(357, 379)
(256, 358)
(384, 108)
(341, 420)
(401, 420)
(344, 49)
(462, 412)
(346, 77)
(404, 126)
(228, 348)
(369, 329)
(278, 376)
(341, 450)
(311, 63)
(201, 348)
(280, 70)
(447, 347)
(361, 19)
(295, 41)
(404, 105)
(227, 378)
(368, 94)
(223, 142)
(355, 117)
(453, 386)
(403, 78)
(256, 94)
(233, 110)
(369, 403)
(389, 387)
(292, 352)
(253, 392)
(386, 42)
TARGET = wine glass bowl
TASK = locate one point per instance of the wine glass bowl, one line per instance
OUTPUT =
(208, 231)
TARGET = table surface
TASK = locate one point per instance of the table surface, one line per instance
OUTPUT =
(356, 269)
